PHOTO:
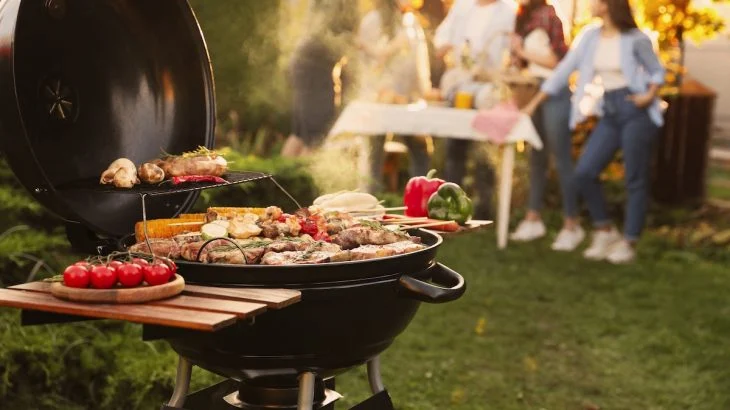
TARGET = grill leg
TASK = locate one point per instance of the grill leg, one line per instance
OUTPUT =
(306, 391)
(374, 377)
(182, 383)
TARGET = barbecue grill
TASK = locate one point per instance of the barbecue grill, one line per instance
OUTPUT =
(84, 82)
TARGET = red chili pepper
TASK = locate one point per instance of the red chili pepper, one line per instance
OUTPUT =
(198, 178)
(418, 191)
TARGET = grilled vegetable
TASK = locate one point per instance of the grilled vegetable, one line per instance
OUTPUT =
(151, 174)
(417, 193)
(232, 212)
(107, 177)
(450, 203)
(222, 222)
(197, 178)
(167, 228)
(213, 230)
(244, 227)
(125, 178)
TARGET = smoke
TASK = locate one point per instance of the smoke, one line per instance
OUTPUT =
(335, 166)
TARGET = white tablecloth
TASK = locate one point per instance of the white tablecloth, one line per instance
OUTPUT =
(421, 119)
(364, 118)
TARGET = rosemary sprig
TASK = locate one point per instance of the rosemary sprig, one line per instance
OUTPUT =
(201, 151)
(310, 251)
(372, 224)
(254, 244)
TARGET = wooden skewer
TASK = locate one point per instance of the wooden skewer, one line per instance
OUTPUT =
(362, 211)
(398, 216)
(399, 221)
(428, 225)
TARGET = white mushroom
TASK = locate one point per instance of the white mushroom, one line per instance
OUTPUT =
(124, 178)
(107, 177)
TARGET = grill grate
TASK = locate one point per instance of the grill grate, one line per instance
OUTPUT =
(164, 188)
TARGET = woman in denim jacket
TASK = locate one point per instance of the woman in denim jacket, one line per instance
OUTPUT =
(619, 79)
(539, 45)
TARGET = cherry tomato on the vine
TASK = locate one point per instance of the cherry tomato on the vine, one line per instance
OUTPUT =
(157, 274)
(76, 277)
(103, 277)
(130, 275)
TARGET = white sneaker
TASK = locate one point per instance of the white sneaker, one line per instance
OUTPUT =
(569, 239)
(528, 231)
(602, 244)
(621, 253)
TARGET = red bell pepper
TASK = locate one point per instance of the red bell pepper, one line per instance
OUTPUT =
(418, 191)
(197, 178)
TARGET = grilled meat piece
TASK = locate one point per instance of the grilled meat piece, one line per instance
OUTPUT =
(306, 253)
(364, 235)
(198, 165)
(276, 229)
(233, 255)
(381, 251)
(273, 213)
(405, 246)
(370, 252)
(189, 251)
(337, 222)
(184, 238)
(160, 247)
(296, 258)
(286, 246)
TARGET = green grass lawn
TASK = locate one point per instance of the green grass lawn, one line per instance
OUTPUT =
(541, 330)
(535, 330)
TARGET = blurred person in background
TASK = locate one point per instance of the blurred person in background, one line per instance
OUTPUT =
(538, 45)
(478, 28)
(619, 59)
(331, 25)
(394, 69)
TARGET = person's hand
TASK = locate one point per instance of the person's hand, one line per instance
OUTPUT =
(529, 109)
(443, 50)
(641, 100)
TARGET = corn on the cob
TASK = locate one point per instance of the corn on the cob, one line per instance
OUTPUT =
(192, 217)
(232, 212)
(166, 228)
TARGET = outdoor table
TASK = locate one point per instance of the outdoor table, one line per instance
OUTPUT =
(366, 118)
(199, 308)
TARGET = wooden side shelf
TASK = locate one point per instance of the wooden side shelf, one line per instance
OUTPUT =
(198, 308)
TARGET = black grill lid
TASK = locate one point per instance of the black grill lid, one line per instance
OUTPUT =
(84, 82)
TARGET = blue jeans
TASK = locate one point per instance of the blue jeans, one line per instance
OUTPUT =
(552, 121)
(629, 128)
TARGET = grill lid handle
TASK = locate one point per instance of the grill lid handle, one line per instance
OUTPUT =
(447, 285)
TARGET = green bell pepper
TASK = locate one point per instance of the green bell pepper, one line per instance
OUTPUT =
(450, 203)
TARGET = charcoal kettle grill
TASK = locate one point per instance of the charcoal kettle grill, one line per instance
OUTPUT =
(84, 82)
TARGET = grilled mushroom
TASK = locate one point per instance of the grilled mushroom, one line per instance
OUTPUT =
(151, 173)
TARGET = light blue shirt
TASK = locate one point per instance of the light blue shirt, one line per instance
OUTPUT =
(639, 65)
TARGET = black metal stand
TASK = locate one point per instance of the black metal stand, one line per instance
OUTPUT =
(224, 396)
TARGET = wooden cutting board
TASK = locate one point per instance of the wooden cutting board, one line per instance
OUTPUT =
(120, 295)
